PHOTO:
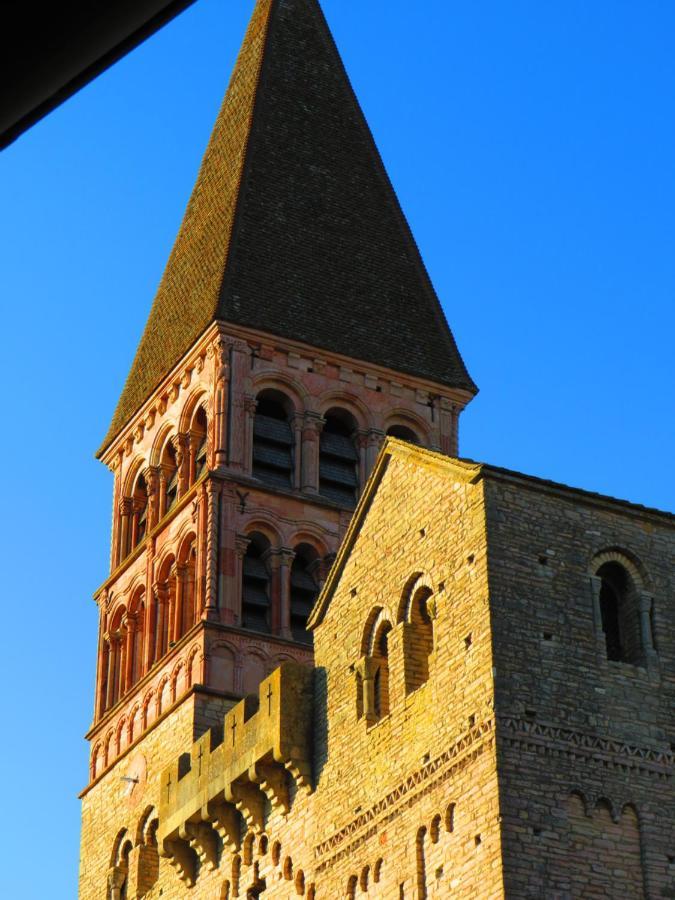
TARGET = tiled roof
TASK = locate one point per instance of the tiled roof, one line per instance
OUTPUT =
(293, 227)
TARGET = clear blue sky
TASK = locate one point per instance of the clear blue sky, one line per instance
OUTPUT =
(532, 145)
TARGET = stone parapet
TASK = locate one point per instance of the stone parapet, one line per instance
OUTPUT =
(231, 771)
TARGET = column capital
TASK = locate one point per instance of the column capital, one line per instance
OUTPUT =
(645, 599)
(286, 556)
(241, 542)
(126, 506)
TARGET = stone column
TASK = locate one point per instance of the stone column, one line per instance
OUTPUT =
(116, 879)
(361, 443)
(296, 427)
(454, 444)
(181, 444)
(227, 572)
(116, 523)
(239, 414)
(220, 354)
(272, 560)
(151, 475)
(162, 492)
(374, 441)
(161, 604)
(443, 413)
(241, 546)
(285, 557)
(114, 674)
(105, 696)
(601, 641)
(367, 668)
(126, 509)
(212, 541)
(309, 454)
(129, 630)
(250, 404)
(179, 611)
(645, 601)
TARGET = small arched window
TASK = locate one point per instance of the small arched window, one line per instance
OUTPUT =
(381, 678)
(198, 434)
(420, 640)
(403, 433)
(273, 440)
(620, 614)
(256, 605)
(338, 458)
(304, 591)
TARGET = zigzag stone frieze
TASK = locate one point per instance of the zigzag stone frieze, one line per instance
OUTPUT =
(461, 754)
(553, 740)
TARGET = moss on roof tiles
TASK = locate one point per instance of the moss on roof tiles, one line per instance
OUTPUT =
(293, 226)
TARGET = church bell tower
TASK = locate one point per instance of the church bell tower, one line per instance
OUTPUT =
(294, 327)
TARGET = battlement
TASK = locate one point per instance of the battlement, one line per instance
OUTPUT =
(230, 772)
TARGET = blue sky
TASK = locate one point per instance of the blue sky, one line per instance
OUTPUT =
(532, 147)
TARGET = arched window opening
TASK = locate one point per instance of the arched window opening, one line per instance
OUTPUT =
(169, 466)
(198, 434)
(256, 604)
(148, 859)
(304, 591)
(273, 440)
(403, 433)
(620, 615)
(420, 641)
(139, 522)
(381, 678)
(338, 458)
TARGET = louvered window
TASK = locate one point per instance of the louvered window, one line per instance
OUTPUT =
(255, 603)
(303, 594)
(337, 463)
(142, 524)
(272, 444)
(172, 490)
(200, 459)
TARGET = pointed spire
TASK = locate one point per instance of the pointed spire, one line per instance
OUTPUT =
(293, 227)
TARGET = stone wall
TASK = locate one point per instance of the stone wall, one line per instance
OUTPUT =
(585, 753)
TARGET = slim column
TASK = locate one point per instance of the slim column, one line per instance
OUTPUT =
(285, 558)
(374, 441)
(221, 352)
(126, 508)
(361, 442)
(297, 426)
(250, 404)
(179, 603)
(227, 572)
(151, 475)
(107, 686)
(181, 444)
(309, 454)
(240, 548)
(211, 582)
(128, 632)
(161, 603)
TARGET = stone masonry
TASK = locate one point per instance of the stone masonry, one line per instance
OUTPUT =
(505, 756)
